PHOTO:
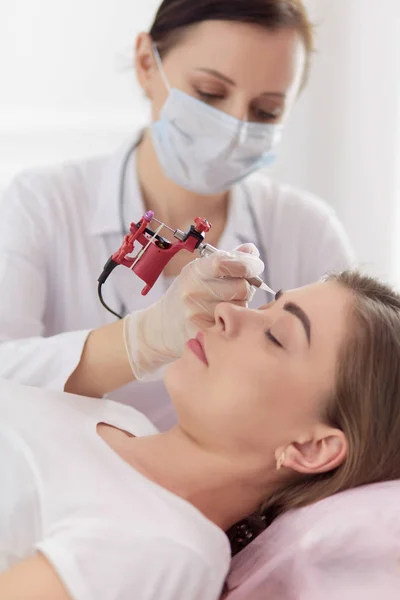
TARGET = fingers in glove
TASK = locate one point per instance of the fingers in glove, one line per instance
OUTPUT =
(208, 293)
(234, 264)
(238, 264)
(248, 248)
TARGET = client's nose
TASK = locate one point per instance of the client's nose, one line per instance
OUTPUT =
(229, 317)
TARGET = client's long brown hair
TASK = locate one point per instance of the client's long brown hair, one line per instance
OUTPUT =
(365, 405)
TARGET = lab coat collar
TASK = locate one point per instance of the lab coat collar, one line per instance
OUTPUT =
(106, 216)
(239, 228)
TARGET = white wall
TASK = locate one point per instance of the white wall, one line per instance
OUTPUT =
(66, 86)
(343, 141)
(66, 90)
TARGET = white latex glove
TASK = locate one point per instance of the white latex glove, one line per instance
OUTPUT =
(156, 335)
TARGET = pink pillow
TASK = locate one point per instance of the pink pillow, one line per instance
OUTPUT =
(344, 547)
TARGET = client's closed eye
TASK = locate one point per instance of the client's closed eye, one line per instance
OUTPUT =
(273, 339)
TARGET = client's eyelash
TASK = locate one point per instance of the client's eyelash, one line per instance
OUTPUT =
(273, 338)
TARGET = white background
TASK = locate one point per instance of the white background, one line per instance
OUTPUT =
(67, 90)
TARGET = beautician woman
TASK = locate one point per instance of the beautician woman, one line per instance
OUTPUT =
(221, 78)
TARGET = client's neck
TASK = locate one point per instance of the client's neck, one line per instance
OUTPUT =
(224, 490)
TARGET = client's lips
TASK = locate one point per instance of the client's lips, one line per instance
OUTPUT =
(196, 345)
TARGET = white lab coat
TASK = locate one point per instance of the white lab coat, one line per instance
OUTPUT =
(58, 226)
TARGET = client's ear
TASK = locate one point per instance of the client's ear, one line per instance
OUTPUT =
(326, 451)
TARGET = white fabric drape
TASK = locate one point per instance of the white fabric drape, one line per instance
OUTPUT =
(343, 140)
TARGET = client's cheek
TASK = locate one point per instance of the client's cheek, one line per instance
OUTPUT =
(175, 378)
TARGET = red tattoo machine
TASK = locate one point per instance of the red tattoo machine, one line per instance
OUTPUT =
(156, 251)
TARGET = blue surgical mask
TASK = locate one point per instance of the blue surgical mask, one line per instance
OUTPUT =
(205, 150)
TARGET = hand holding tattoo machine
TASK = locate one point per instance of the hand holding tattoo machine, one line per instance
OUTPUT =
(156, 251)
(157, 334)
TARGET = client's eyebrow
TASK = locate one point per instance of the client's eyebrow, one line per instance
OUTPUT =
(298, 312)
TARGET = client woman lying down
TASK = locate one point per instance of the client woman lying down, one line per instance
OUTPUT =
(277, 408)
